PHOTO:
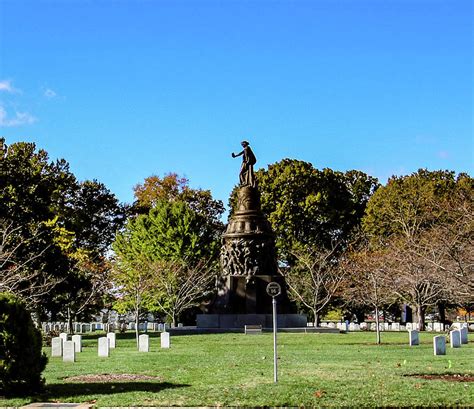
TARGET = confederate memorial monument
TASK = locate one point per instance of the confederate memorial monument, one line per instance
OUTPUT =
(248, 262)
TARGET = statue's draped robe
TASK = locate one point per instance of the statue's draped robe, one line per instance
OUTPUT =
(247, 175)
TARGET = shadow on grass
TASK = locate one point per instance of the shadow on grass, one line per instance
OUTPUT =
(67, 390)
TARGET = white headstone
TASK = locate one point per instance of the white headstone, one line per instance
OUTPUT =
(111, 337)
(144, 343)
(464, 337)
(414, 337)
(56, 346)
(69, 351)
(331, 325)
(386, 326)
(63, 336)
(356, 327)
(471, 327)
(395, 326)
(165, 340)
(409, 326)
(180, 325)
(439, 345)
(363, 325)
(455, 338)
(161, 327)
(104, 349)
(438, 326)
(77, 339)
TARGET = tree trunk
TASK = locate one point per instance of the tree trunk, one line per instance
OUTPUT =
(442, 313)
(420, 312)
(317, 320)
(377, 329)
(137, 321)
(69, 321)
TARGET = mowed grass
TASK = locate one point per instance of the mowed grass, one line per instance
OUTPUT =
(237, 370)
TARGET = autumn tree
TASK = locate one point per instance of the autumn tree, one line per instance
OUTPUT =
(172, 187)
(404, 215)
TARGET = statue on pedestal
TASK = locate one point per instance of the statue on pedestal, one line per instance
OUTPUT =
(247, 176)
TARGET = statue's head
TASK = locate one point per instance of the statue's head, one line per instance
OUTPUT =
(244, 143)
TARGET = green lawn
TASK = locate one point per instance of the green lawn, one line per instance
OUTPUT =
(237, 370)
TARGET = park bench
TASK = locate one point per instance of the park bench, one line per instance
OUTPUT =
(253, 329)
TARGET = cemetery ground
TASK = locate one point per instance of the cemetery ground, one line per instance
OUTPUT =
(237, 370)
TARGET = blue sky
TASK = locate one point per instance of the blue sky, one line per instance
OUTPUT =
(126, 89)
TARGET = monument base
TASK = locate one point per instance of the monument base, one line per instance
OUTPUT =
(240, 295)
(240, 320)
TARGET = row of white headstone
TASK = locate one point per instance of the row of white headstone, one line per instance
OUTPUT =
(456, 339)
(98, 326)
(385, 326)
(61, 347)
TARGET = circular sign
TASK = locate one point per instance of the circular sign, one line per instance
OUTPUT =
(273, 289)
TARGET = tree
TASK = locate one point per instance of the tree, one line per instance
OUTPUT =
(311, 207)
(159, 253)
(368, 279)
(314, 278)
(58, 221)
(182, 285)
(15, 275)
(404, 216)
(175, 188)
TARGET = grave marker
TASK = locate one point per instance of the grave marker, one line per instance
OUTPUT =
(165, 340)
(56, 346)
(69, 351)
(455, 338)
(464, 337)
(414, 337)
(77, 339)
(63, 336)
(144, 343)
(439, 345)
(111, 337)
(104, 349)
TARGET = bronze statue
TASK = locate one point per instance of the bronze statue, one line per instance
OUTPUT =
(247, 175)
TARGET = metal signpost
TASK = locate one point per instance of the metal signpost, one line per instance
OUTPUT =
(274, 290)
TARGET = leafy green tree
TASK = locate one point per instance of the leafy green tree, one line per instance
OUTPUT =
(171, 232)
(311, 207)
(69, 221)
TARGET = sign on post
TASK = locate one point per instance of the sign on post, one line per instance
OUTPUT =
(274, 290)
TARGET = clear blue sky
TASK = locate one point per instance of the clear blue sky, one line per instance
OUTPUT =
(126, 89)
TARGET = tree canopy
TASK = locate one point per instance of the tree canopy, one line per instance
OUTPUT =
(312, 207)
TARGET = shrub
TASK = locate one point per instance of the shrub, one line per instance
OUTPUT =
(21, 359)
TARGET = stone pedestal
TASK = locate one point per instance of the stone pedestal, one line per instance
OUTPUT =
(248, 261)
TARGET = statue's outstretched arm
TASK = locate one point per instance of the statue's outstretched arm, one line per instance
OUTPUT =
(234, 155)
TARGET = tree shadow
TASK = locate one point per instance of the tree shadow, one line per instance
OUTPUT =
(72, 389)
